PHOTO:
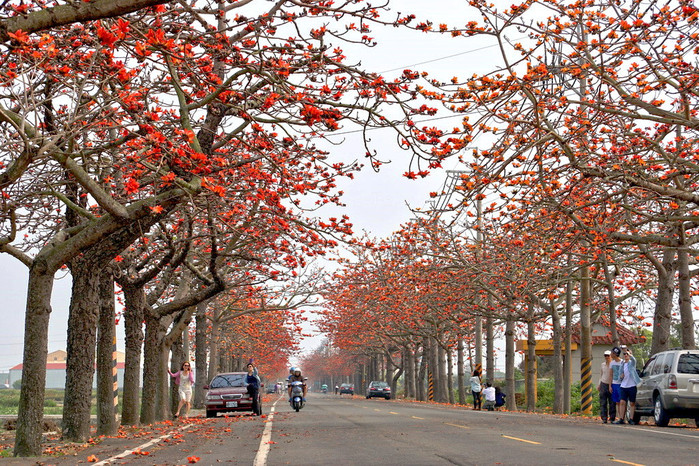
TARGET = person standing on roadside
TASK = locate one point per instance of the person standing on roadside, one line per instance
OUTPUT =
(606, 405)
(184, 379)
(629, 382)
(616, 367)
(476, 387)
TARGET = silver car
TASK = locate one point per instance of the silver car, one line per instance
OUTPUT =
(669, 387)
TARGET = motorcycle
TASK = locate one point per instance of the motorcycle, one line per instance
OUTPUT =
(297, 396)
(324, 388)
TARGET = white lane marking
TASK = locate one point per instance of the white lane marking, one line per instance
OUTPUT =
(141, 447)
(263, 451)
(654, 431)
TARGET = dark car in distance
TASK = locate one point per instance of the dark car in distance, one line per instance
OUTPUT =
(380, 389)
(347, 388)
(228, 392)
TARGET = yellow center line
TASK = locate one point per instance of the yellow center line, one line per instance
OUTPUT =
(415, 417)
(522, 440)
(378, 410)
(626, 462)
(392, 412)
(457, 425)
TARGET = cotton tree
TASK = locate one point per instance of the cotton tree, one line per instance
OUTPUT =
(115, 123)
(597, 97)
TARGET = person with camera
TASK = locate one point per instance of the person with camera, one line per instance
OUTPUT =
(629, 382)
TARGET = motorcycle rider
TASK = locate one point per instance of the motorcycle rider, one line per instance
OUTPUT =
(297, 377)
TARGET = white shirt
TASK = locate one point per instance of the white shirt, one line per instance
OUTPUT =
(489, 393)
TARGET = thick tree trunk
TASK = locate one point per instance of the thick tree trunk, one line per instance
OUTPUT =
(441, 384)
(213, 350)
(568, 357)
(557, 361)
(422, 372)
(611, 302)
(177, 357)
(151, 362)
(82, 338)
(106, 365)
(490, 351)
(662, 318)
(685, 300)
(134, 305)
(200, 350)
(479, 341)
(36, 331)
(162, 392)
(409, 364)
(510, 402)
(531, 367)
(460, 371)
(450, 375)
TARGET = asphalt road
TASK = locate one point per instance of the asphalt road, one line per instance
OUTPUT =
(334, 430)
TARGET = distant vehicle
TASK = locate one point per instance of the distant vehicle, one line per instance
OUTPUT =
(380, 389)
(669, 387)
(347, 388)
(324, 388)
(228, 392)
(297, 401)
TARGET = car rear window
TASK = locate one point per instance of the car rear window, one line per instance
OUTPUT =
(232, 380)
(688, 364)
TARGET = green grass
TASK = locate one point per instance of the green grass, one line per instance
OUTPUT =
(53, 402)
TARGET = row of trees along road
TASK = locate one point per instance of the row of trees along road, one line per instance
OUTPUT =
(169, 147)
(588, 192)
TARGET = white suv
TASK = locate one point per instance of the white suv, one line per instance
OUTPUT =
(669, 387)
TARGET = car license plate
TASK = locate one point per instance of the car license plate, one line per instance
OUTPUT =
(231, 404)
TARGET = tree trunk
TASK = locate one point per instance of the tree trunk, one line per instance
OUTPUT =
(531, 367)
(490, 351)
(82, 338)
(568, 357)
(177, 357)
(36, 331)
(510, 401)
(479, 341)
(134, 305)
(422, 372)
(213, 350)
(460, 373)
(662, 318)
(685, 300)
(557, 361)
(151, 362)
(450, 375)
(611, 301)
(200, 350)
(106, 364)
(441, 383)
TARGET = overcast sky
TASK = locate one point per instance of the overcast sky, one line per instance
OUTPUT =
(376, 202)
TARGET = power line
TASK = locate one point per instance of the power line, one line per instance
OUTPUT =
(441, 58)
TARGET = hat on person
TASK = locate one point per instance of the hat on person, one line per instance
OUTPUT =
(607, 353)
(616, 350)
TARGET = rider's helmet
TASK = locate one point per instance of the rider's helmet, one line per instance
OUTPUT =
(297, 371)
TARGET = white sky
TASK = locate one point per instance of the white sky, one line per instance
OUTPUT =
(376, 202)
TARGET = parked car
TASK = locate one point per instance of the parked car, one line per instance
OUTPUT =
(669, 387)
(347, 388)
(228, 392)
(380, 389)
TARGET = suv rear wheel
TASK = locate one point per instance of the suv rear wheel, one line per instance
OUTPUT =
(660, 416)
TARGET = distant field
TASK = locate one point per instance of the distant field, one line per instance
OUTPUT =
(53, 402)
